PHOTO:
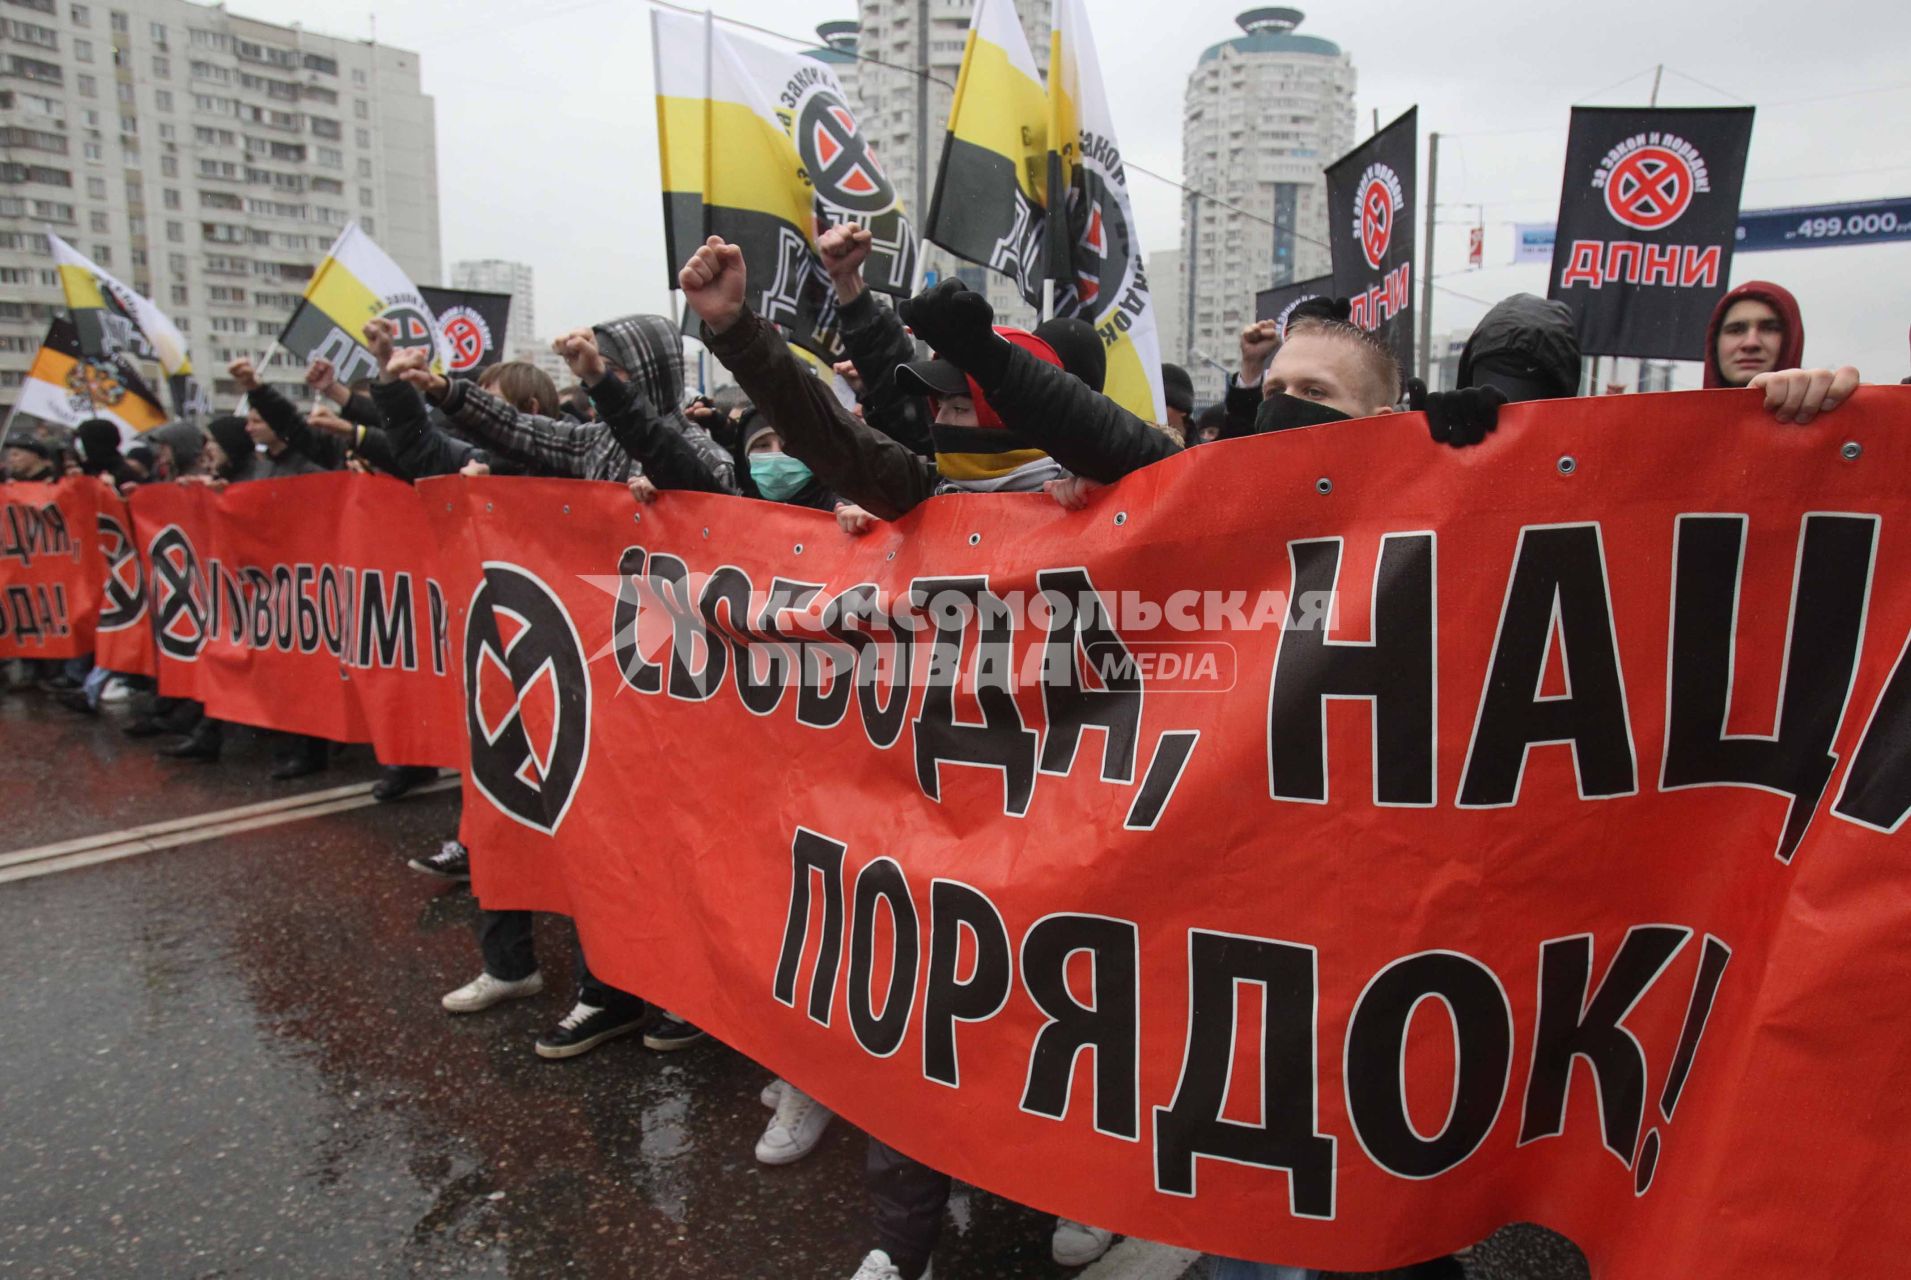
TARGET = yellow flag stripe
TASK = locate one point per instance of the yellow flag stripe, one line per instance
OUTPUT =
(999, 109)
(343, 297)
(82, 289)
(745, 150)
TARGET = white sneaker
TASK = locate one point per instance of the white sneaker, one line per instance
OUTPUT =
(877, 1266)
(1076, 1244)
(795, 1129)
(484, 991)
(772, 1093)
(116, 690)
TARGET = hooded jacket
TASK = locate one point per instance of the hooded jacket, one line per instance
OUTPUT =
(1537, 332)
(649, 349)
(1791, 351)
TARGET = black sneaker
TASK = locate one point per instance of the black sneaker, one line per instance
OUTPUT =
(451, 862)
(395, 780)
(143, 727)
(76, 700)
(197, 746)
(671, 1033)
(585, 1027)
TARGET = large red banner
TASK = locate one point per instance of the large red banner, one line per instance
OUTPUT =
(309, 605)
(49, 574)
(1324, 849)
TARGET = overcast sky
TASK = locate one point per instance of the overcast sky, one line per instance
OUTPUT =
(547, 143)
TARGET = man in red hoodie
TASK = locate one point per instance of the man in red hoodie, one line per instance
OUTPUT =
(1756, 339)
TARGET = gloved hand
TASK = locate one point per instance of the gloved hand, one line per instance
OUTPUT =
(959, 325)
(1458, 418)
(1322, 309)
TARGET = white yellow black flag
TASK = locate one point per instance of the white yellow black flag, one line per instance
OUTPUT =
(763, 148)
(110, 319)
(356, 282)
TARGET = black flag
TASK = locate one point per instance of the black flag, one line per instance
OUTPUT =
(1647, 217)
(1277, 303)
(1371, 194)
(473, 324)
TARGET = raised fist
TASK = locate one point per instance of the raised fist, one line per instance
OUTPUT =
(579, 349)
(243, 373)
(712, 282)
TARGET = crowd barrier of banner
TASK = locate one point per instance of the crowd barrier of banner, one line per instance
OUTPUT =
(1323, 849)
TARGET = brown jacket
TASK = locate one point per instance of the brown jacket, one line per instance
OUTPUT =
(851, 458)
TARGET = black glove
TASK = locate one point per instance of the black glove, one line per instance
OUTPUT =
(959, 325)
(1458, 418)
(1338, 309)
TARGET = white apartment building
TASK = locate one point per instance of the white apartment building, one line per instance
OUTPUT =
(206, 159)
(497, 275)
(1264, 114)
(930, 34)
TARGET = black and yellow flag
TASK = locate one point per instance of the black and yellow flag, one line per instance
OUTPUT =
(762, 148)
(991, 196)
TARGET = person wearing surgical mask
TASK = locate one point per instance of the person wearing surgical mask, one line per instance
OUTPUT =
(772, 474)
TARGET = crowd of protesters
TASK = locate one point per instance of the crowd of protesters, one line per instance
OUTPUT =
(945, 400)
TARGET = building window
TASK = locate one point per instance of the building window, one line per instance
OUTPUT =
(364, 168)
(361, 109)
(103, 254)
(120, 24)
(159, 35)
(96, 188)
(176, 232)
(181, 295)
(365, 197)
(91, 150)
(169, 166)
(89, 87)
(82, 51)
(97, 220)
(358, 75)
(82, 16)
(363, 137)
(162, 66)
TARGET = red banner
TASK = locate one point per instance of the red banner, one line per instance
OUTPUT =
(309, 605)
(1326, 848)
(125, 639)
(49, 574)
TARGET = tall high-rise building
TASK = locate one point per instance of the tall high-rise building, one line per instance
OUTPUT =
(840, 42)
(905, 113)
(496, 275)
(1265, 113)
(206, 159)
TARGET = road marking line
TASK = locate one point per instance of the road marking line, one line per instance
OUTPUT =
(183, 824)
(1133, 1259)
(25, 864)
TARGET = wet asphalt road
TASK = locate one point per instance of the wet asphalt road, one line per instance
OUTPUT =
(228, 1059)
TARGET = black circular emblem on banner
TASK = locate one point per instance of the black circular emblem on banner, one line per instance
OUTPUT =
(179, 595)
(527, 698)
(838, 157)
(123, 589)
(411, 327)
